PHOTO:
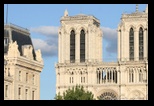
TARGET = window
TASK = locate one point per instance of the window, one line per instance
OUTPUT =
(26, 94)
(72, 46)
(131, 76)
(19, 75)
(72, 79)
(26, 77)
(131, 44)
(84, 79)
(33, 95)
(81, 79)
(5, 41)
(33, 79)
(6, 90)
(140, 76)
(82, 46)
(140, 43)
(19, 93)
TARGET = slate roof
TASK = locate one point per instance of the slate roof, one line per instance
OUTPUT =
(21, 36)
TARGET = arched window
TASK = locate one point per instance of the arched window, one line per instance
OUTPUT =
(131, 76)
(140, 43)
(82, 46)
(140, 76)
(72, 46)
(131, 44)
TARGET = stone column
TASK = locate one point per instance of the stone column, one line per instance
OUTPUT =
(136, 46)
(115, 76)
(145, 44)
(118, 76)
(96, 77)
(59, 48)
(62, 48)
(112, 76)
(127, 75)
(122, 46)
(119, 42)
(77, 47)
(127, 46)
(106, 77)
(135, 74)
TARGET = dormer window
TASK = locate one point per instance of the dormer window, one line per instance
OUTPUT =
(5, 41)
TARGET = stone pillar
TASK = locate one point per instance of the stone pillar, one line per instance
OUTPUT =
(62, 48)
(127, 75)
(111, 76)
(96, 77)
(77, 47)
(127, 46)
(136, 46)
(122, 46)
(119, 42)
(106, 76)
(100, 77)
(135, 74)
(145, 44)
(118, 77)
(59, 45)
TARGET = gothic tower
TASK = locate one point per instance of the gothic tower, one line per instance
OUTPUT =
(80, 39)
(133, 36)
(79, 46)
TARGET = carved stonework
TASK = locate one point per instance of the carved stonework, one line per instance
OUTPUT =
(136, 95)
(39, 56)
(27, 51)
(13, 50)
(133, 19)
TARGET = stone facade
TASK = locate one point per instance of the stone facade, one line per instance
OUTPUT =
(125, 79)
(21, 69)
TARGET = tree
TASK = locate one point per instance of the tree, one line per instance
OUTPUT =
(76, 93)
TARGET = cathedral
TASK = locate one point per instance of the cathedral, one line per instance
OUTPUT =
(80, 57)
(22, 65)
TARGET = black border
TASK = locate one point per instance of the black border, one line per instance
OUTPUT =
(150, 75)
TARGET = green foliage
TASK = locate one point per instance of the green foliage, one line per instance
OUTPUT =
(58, 97)
(76, 93)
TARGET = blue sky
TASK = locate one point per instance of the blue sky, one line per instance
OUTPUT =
(43, 21)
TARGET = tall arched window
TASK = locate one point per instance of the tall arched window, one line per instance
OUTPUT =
(140, 43)
(131, 76)
(131, 44)
(82, 46)
(72, 46)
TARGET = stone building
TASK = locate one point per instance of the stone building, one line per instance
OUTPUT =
(80, 57)
(22, 65)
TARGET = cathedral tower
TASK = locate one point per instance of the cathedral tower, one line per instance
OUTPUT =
(80, 39)
(133, 36)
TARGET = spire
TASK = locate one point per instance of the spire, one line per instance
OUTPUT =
(146, 10)
(66, 13)
(136, 7)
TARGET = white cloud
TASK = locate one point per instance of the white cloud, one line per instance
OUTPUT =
(46, 49)
(110, 35)
(45, 30)
(49, 46)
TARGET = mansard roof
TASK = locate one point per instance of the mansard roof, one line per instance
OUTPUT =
(18, 34)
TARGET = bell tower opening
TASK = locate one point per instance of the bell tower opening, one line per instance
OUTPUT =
(72, 46)
(82, 46)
